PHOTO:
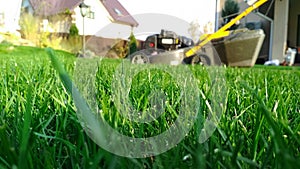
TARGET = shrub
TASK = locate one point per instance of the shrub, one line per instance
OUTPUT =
(74, 30)
(50, 40)
(119, 49)
(73, 43)
(30, 27)
(132, 44)
(31, 30)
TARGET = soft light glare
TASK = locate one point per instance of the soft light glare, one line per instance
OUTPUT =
(250, 2)
(167, 41)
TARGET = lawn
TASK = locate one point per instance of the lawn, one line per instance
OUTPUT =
(259, 125)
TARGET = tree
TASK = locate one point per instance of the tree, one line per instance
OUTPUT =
(230, 11)
(73, 30)
(132, 44)
(194, 30)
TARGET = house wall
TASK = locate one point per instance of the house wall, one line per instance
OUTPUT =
(293, 23)
(9, 15)
(95, 26)
(280, 29)
(91, 25)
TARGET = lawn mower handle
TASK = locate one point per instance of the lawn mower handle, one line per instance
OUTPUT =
(222, 32)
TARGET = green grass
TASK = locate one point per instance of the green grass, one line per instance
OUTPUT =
(260, 126)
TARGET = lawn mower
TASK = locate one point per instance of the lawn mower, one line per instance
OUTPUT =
(169, 48)
(166, 47)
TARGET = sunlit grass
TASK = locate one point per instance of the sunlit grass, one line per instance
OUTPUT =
(260, 127)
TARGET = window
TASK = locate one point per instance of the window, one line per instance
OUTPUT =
(118, 12)
(91, 15)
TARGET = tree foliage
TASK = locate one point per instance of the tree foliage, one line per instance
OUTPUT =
(74, 30)
(132, 44)
(194, 30)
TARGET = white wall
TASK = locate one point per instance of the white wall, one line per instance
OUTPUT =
(101, 20)
(281, 14)
(10, 12)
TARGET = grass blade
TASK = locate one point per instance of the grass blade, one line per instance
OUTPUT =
(23, 156)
